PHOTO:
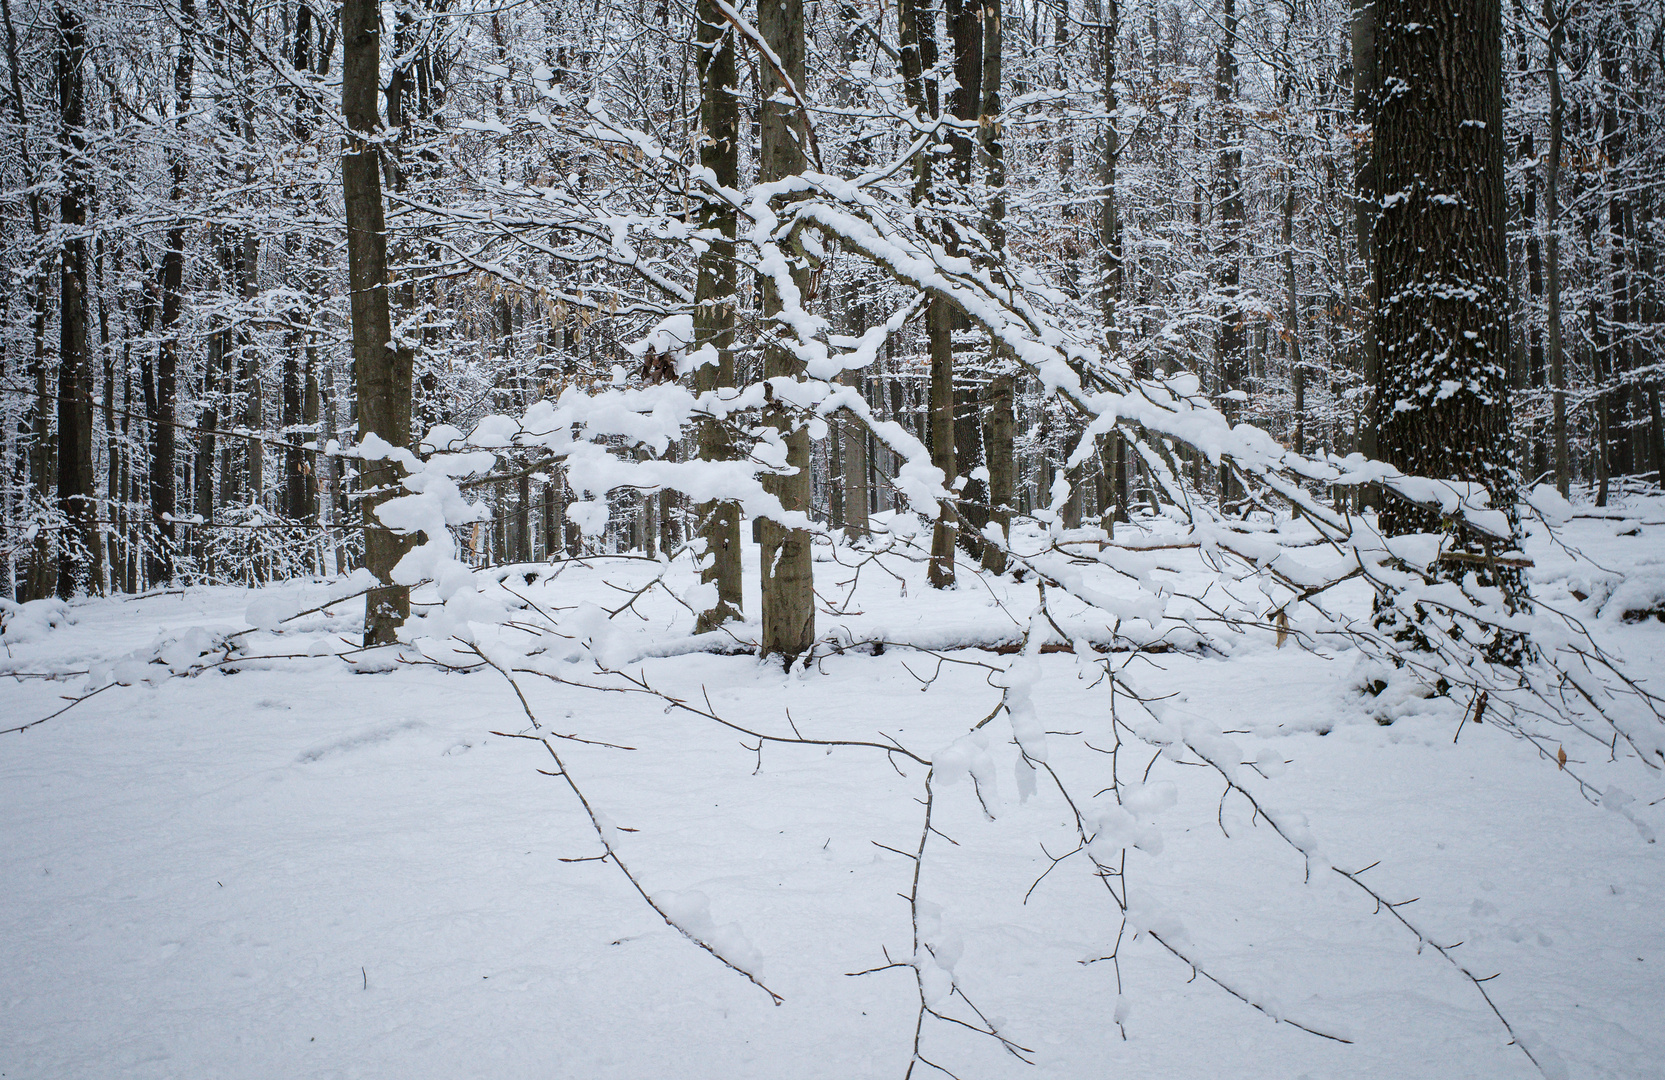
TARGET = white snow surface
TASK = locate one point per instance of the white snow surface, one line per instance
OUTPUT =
(316, 862)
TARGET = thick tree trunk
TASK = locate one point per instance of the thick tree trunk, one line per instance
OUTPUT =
(788, 586)
(382, 370)
(1442, 264)
(714, 303)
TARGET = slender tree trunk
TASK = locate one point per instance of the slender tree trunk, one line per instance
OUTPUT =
(714, 303)
(1002, 471)
(1112, 272)
(1110, 147)
(1618, 400)
(35, 431)
(1535, 374)
(965, 28)
(1366, 205)
(919, 59)
(1292, 316)
(998, 435)
(1231, 340)
(1552, 249)
(81, 558)
(382, 368)
(296, 346)
(110, 535)
(1648, 318)
(939, 331)
(855, 479)
(788, 585)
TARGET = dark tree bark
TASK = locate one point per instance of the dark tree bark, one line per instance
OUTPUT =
(998, 433)
(714, 302)
(788, 586)
(1110, 148)
(297, 486)
(1232, 341)
(918, 38)
(81, 556)
(965, 30)
(1442, 320)
(1292, 306)
(164, 416)
(1618, 400)
(381, 367)
(1366, 203)
(1552, 249)
(1002, 472)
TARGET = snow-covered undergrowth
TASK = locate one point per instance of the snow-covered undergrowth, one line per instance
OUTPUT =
(263, 851)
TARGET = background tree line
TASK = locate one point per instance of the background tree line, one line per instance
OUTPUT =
(178, 370)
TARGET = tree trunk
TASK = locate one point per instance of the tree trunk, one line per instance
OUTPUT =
(917, 34)
(80, 558)
(855, 479)
(965, 26)
(1366, 204)
(1442, 266)
(35, 430)
(939, 330)
(1617, 400)
(1002, 473)
(788, 585)
(381, 369)
(1231, 341)
(714, 303)
(1552, 249)
(998, 434)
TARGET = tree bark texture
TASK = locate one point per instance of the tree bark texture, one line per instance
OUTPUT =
(999, 438)
(1442, 320)
(714, 303)
(80, 557)
(788, 585)
(1232, 341)
(1556, 22)
(381, 367)
(1366, 202)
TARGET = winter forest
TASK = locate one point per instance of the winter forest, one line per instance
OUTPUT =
(621, 538)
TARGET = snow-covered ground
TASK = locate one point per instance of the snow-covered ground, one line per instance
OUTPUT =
(316, 862)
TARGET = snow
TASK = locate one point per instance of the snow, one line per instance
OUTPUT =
(253, 860)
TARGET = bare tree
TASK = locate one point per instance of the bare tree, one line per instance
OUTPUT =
(381, 365)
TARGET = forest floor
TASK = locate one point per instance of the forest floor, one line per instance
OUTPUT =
(325, 864)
